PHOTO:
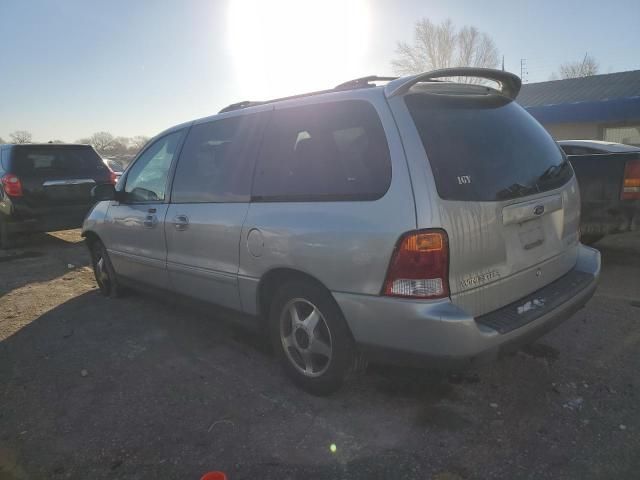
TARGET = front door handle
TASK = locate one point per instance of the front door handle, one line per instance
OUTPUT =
(180, 222)
(150, 221)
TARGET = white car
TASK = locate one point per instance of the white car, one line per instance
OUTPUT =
(594, 147)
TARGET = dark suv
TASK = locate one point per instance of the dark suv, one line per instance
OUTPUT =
(45, 187)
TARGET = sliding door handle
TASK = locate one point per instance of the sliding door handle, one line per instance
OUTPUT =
(181, 222)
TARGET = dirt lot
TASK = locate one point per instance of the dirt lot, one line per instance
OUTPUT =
(93, 388)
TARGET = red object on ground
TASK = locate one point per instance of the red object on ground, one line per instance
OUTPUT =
(214, 476)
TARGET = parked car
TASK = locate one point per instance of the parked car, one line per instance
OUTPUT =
(45, 187)
(420, 221)
(594, 147)
(114, 165)
(610, 189)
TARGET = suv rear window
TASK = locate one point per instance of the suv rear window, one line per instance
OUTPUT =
(324, 152)
(486, 148)
(42, 161)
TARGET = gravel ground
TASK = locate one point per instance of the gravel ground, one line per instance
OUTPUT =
(141, 387)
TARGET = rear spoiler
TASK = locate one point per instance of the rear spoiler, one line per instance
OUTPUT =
(509, 83)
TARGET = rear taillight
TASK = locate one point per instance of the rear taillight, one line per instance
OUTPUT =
(419, 266)
(113, 177)
(11, 185)
(631, 182)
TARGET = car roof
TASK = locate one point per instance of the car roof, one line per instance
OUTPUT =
(437, 79)
(600, 145)
(51, 145)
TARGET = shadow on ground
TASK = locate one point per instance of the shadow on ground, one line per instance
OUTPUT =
(147, 388)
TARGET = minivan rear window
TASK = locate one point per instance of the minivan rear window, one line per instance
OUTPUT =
(40, 161)
(486, 148)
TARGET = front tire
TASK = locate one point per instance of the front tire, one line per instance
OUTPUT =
(310, 337)
(103, 270)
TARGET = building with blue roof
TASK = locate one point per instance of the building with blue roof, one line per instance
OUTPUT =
(599, 107)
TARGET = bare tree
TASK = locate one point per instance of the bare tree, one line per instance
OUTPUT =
(137, 143)
(103, 142)
(587, 67)
(2, 141)
(20, 136)
(442, 46)
(120, 146)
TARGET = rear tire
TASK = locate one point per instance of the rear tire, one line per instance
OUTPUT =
(103, 270)
(311, 338)
(6, 239)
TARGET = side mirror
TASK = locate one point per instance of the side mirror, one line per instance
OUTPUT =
(103, 191)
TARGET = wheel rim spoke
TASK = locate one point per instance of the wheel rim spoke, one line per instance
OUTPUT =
(103, 276)
(293, 313)
(319, 347)
(312, 320)
(288, 341)
(308, 360)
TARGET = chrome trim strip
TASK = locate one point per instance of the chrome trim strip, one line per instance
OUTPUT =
(215, 275)
(71, 181)
(149, 262)
(521, 212)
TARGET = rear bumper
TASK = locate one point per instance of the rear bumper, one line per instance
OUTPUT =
(63, 218)
(438, 333)
(604, 218)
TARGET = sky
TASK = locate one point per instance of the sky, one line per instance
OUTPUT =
(69, 68)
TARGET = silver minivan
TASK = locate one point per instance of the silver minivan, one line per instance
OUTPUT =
(423, 219)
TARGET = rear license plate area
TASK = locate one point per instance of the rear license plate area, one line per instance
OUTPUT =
(531, 234)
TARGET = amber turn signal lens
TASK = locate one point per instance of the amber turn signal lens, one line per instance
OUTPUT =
(424, 242)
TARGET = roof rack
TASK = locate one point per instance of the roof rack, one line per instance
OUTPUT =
(509, 84)
(363, 82)
(239, 105)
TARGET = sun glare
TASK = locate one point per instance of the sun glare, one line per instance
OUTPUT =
(284, 47)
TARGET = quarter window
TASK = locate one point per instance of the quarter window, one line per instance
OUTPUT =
(147, 179)
(324, 152)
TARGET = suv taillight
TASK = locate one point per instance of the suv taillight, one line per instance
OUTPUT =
(419, 266)
(631, 182)
(11, 185)
(113, 177)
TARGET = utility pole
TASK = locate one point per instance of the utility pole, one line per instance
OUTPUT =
(503, 63)
(523, 70)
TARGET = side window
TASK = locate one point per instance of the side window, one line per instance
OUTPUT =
(216, 163)
(147, 178)
(324, 152)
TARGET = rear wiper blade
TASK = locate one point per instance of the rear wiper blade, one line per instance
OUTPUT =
(553, 171)
(515, 190)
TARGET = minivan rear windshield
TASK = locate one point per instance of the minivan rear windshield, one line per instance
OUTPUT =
(486, 148)
(43, 160)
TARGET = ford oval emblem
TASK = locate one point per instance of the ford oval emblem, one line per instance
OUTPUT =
(538, 210)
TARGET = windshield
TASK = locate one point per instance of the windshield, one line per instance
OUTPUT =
(486, 148)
